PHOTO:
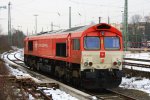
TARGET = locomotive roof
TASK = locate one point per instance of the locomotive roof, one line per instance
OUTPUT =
(71, 30)
(79, 30)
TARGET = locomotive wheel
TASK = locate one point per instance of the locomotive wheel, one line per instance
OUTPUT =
(56, 74)
(53, 70)
(76, 82)
(38, 67)
(81, 84)
(67, 77)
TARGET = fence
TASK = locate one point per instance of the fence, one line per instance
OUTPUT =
(138, 41)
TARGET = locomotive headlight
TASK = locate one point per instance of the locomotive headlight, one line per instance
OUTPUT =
(86, 64)
(115, 63)
(90, 63)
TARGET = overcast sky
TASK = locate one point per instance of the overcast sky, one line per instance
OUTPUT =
(83, 12)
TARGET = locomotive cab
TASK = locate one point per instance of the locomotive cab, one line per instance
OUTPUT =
(102, 57)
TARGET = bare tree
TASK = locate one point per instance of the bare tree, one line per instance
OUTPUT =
(135, 19)
(147, 27)
(0, 30)
(147, 19)
(135, 28)
(17, 38)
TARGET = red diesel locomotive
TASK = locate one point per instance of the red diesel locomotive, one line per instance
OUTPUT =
(88, 56)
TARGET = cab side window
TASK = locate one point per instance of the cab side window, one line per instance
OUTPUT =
(30, 46)
(76, 44)
(61, 49)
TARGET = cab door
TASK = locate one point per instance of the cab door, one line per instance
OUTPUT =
(75, 50)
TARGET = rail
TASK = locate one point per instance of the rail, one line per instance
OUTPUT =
(144, 63)
(27, 85)
(109, 94)
(113, 96)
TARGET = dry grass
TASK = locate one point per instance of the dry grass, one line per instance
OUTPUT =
(3, 69)
(4, 46)
(3, 82)
(6, 92)
(9, 90)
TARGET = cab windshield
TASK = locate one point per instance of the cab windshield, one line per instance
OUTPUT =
(111, 43)
(91, 43)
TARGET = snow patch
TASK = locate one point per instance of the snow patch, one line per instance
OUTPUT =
(57, 94)
(142, 84)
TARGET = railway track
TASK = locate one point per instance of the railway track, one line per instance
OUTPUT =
(47, 80)
(117, 96)
(137, 62)
(135, 67)
(109, 95)
(28, 86)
